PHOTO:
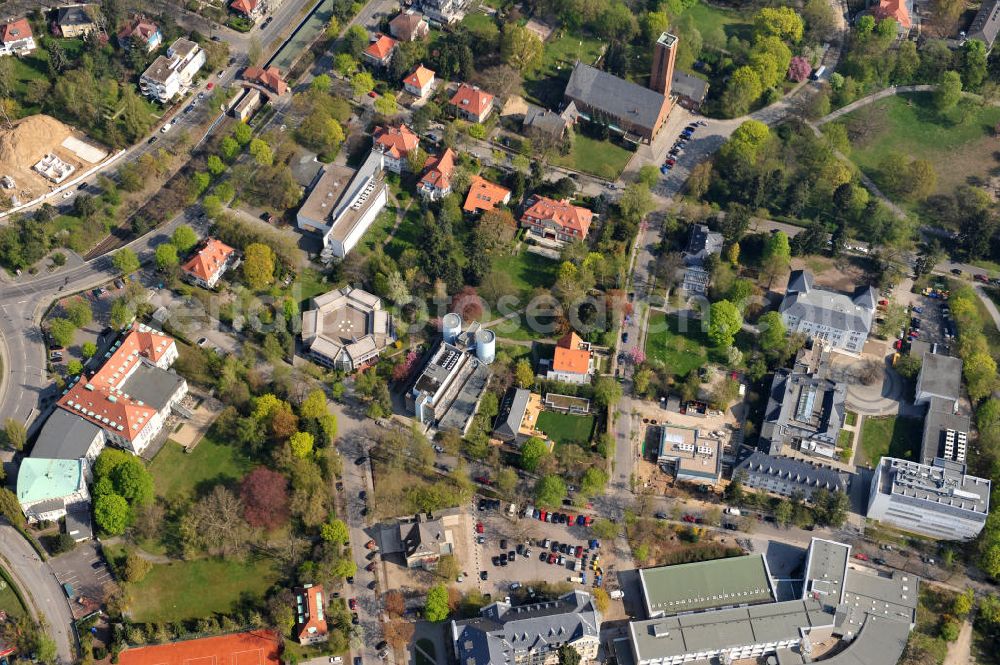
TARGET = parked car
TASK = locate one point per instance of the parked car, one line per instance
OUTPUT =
(861, 556)
(479, 527)
(353, 603)
(484, 575)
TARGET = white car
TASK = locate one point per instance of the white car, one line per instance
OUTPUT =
(166, 128)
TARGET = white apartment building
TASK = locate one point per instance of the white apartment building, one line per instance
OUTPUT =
(839, 320)
(170, 74)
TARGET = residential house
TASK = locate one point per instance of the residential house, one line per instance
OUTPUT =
(448, 390)
(900, 11)
(209, 263)
(530, 634)
(484, 195)
(986, 25)
(937, 500)
(139, 32)
(379, 51)
(409, 27)
(171, 73)
(625, 107)
(74, 21)
(343, 204)
(420, 82)
(702, 244)
(511, 416)
(16, 38)
(436, 182)
(573, 361)
(47, 488)
(310, 614)
(470, 103)
(346, 329)
(786, 476)
(840, 320)
(443, 11)
(133, 393)
(395, 144)
(689, 90)
(269, 79)
(541, 121)
(556, 220)
(425, 540)
(250, 9)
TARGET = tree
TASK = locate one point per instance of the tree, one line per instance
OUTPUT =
(314, 405)
(261, 152)
(777, 255)
(166, 256)
(301, 444)
(228, 148)
(62, 331)
(948, 92)
(355, 40)
(14, 434)
(533, 451)
(974, 64)
(258, 265)
(321, 83)
(781, 22)
(131, 480)
(136, 568)
(783, 512)
(520, 48)
(78, 311)
(636, 202)
(550, 490)
(799, 69)
(772, 332)
(242, 133)
(111, 514)
(125, 261)
(215, 165)
(963, 603)
(335, 531)
(607, 391)
(74, 367)
(725, 321)
(593, 481)
(88, 349)
(568, 655)
(980, 374)
(121, 313)
(345, 64)
(362, 83)
(523, 374)
(264, 494)
(743, 89)
(921, 178)
(436, 607)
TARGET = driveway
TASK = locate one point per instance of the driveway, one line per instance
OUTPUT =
(85, 570)
(40, 588)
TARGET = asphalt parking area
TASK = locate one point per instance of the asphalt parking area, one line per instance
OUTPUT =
(85, 570)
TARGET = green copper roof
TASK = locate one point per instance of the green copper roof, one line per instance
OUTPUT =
(39, 479)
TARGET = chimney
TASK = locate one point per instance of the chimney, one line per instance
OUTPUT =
(664, 54)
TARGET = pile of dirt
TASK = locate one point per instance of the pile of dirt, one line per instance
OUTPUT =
(30, 140)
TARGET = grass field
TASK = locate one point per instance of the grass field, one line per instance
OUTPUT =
(545, 85)
(890, 436)
(732, 22)
(527, 270)
(199, 588)
(681, 352)
(406, 235)
(908, 124)
(565, 428)
(9, 601)
(601, 158)
(478, 21)
(177, 474)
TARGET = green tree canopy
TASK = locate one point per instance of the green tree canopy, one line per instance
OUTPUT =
(258, 265)
(436, 608)
(62, 331)
(550, 490)
(111, 514)
(533, 451)
(125, 261)
(335, 531)
(724, 323)
(166, 256)
(607, 391)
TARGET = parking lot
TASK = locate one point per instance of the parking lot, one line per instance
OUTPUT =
(85, 570)
(525, 536)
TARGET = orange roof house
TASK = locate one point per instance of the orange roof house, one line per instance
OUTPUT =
(310, 614)
(246, 7)
(380, 50)
(269, 78)
(472, 104)
(15, 31)
(209, 263)
(257, 647)
(395, 143)
(484, 195)
(419, 82)
(557, 220)
(896, 10)
(571, 362)
(436, 181)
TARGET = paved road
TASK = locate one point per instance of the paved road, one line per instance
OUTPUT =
(41, 590)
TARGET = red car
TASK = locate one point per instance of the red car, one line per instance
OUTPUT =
(542, 515)
(589, 519)
(579, 551)
(370, 544)
(479, 527)
(353, 603)
(373, 94)
(898, 344)
(671, 161)
(552, 558)
(689, 518)
(209, 86)
(860, 556)
(883, 302)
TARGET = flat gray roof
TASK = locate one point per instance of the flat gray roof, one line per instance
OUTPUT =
(152, 385)
(706, 584)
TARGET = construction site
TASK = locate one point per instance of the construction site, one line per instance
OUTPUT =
(39, 154)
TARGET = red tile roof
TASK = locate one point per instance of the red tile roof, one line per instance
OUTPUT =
(396, 142)
(569, 357)
(381, 48)
(406, 26)
(471, 99)
(245, 7)
(208, 260)
(103, 403)
(15, 30)
(258, 647)
(420, 77)
(310, 608)
(563, 213)
(896, 10)
(270, 78)
(439, 170)
(138, 28)
(484, 195)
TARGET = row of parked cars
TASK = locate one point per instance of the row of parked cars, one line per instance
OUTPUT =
(558, 518)
(677, 149)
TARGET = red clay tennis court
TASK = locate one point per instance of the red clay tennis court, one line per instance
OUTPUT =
(259, 647)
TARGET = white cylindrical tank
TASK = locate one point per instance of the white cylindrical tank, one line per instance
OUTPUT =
(451, 327)
(486, 346)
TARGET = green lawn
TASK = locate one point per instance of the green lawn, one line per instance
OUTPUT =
(681, 352)
(908, 124)
(566, 428)
(850, 418)
(178, 474)
(9, 601)
(199, 588)
(528, 270)
(406, 235)
(546, 84)
(601, 158)
(476, 21)
(707, 18)
(890, 436)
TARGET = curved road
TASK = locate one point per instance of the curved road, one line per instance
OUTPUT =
(40, 589)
